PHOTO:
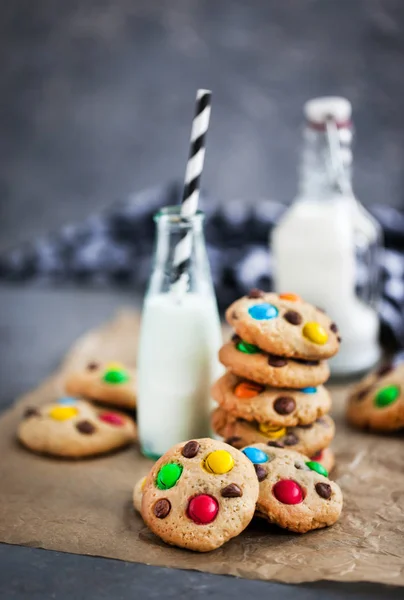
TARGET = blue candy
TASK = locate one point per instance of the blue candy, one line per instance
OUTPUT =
(255, 455)
(263, 312)
(67, 401)
(309, 390)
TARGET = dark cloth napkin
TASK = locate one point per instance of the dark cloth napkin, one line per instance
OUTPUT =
(115, 248)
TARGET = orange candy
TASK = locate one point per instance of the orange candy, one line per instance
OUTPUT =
(248, 389)
(291, 297)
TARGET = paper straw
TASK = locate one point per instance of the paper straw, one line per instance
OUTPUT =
(190, 197)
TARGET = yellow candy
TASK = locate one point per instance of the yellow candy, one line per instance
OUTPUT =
(315, 333)
(219, 462)
(63, 413)
(114, 366)
(272, 432)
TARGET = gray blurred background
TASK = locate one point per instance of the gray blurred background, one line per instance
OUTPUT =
(97, 98)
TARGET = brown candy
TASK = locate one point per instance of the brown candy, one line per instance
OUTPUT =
(162, 508)
(293, 317)
(31, 411)
(334, 327)
(275, 444)
(290, 439)
(232, 491)
(323, 490)
(190, 449)
(256, 293)
(85, 427)
(284, 405)
(276, 361)
(261, 473)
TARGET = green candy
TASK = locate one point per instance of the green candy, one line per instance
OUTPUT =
(116, 376)
(387, 395)
(247, 348)
(316, 466)
(168, 476)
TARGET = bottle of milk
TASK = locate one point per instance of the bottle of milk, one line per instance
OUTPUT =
(179, 342)
(326, 246)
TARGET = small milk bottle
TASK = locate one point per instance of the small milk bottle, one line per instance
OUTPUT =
(326, 245)
(179, 342)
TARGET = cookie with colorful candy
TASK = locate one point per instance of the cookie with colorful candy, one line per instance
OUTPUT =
(73, 428)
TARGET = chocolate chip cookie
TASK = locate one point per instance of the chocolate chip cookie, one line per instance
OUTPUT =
(107, 383)
(73, 428)
(284, 325)
(280, 407)
(377, 403)
(247, 360)
(295, 492)
(200, 494)
(307, 439)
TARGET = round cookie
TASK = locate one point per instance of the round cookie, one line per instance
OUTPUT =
(284, 325)
(138, 493)
(295, 493)
(325, 457)
(72, 428)
(107, 383)
(377, 402)
(200, 494)
(246, 360)
(307, 439)
(277, 406)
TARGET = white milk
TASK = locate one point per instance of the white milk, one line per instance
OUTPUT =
(314, 256)
(178, 362)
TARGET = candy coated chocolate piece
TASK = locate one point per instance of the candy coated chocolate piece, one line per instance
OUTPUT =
(115, 376)
(288, 491)
(272, 431)
(219, 462)
(203, 509)
(323, 490)
(168, 476)
(289, 296)
(315, 333)
(387, 396)
(309, 390)
(247, 389)
(247, 348)
(293, 317)
(277, 361)
(63, 413)
(190, 449)
(112, 419)
(263, 312)
(67, 401)
(316, 466)
(261, 473)
(162, 508)
(231, 491)
(85, 427)
(318, 456)
(256, 455)
(284, 405)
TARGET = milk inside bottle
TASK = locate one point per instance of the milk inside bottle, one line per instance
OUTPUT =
(179, 343)
(325, 246)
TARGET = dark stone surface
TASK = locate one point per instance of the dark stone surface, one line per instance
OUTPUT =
(97, 97)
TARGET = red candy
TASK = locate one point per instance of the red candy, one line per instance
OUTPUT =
(318, 456)
(288, 492)
(112, 419)
(203, 509)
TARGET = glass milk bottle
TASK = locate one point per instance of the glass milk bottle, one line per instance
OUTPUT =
(326, 245)
(179, 342)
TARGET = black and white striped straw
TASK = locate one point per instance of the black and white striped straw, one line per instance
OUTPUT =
(189, 203)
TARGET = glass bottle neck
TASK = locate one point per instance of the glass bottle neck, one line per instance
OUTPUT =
(317, 172)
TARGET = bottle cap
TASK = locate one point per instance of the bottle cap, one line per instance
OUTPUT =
(318, 110)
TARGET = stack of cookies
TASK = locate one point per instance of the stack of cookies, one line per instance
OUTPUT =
(273, 390)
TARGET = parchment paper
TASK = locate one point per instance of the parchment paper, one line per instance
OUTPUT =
(85, 507)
